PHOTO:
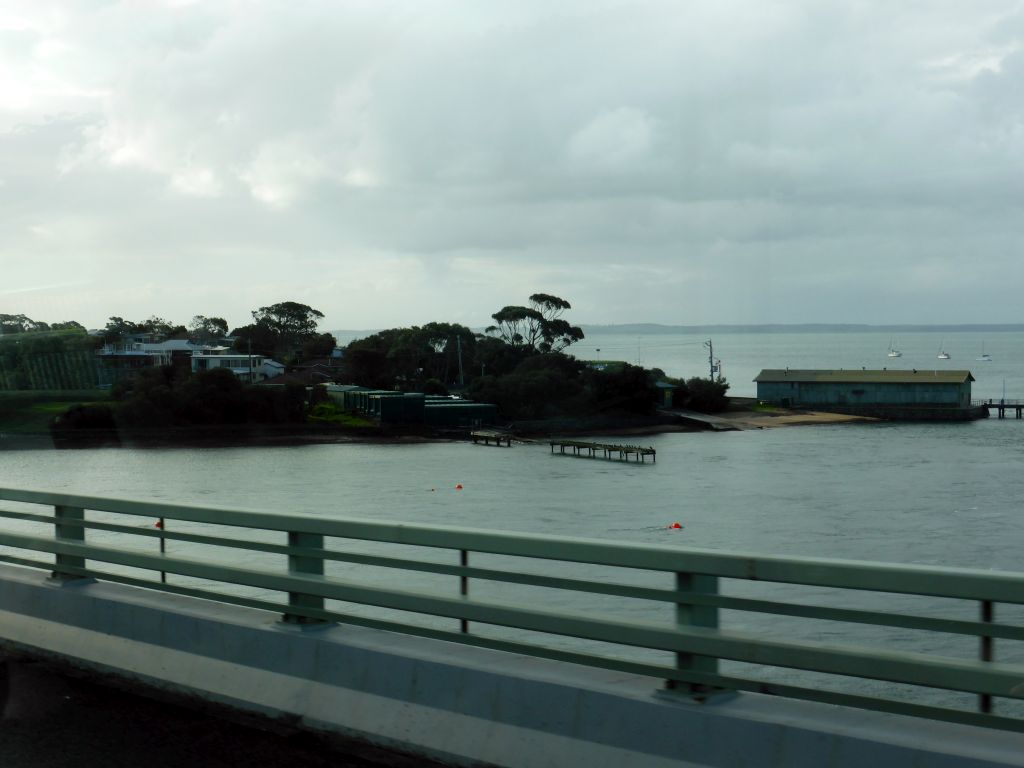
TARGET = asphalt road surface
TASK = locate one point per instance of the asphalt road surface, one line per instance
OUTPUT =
(52, 720)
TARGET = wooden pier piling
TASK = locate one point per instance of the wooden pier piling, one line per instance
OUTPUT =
(487, 436)
(604, 450)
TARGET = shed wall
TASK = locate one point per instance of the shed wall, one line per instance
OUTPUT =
(860, 393)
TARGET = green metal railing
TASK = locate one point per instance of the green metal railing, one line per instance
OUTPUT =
(678, 622)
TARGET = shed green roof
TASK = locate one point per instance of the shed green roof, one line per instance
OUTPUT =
(862, 376)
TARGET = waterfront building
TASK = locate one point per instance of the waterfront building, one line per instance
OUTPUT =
(908, 394)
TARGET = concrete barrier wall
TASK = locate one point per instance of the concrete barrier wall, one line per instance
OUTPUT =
(456, 704)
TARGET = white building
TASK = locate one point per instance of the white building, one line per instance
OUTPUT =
(248, 368)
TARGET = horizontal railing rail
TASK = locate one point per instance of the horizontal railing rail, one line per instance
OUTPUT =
(677, 623)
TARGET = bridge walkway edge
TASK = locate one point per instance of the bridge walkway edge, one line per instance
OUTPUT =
(458, 705)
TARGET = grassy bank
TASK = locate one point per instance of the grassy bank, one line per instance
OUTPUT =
(30, 412)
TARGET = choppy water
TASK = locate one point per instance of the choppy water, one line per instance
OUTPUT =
(943, 493)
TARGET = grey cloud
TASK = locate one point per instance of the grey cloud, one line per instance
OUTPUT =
(633, 157)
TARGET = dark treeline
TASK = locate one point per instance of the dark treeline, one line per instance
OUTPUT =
(520, 364)
(36, 355)
(162, 398)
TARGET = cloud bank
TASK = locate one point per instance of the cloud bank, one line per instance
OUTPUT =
(396, 163)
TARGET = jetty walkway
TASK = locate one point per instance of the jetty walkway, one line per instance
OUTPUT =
(486, 436)
(1003, 406)
(607, 450)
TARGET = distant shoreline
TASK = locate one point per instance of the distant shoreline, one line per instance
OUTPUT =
(653, 329)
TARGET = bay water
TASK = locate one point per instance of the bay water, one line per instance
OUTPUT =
(743, 355)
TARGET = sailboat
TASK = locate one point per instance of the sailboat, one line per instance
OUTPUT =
(983, 357)
(893, 352)
(943, 355)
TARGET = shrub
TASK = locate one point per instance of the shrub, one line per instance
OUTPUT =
(434, 387)
(707, 396)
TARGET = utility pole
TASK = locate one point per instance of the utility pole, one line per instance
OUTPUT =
(711, 359)
(462, 380)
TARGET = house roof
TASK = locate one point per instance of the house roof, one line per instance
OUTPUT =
(306, 377)
(863, 376)
(179, 345)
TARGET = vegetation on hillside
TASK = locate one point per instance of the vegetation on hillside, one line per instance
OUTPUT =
(520, 363)
(161, 398)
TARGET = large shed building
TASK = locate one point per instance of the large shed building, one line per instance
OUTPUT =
(895, 393)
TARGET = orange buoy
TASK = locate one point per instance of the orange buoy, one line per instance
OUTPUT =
(158, 524)
(676, 525)
(458, 486)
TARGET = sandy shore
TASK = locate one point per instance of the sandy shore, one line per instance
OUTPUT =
(787, 418)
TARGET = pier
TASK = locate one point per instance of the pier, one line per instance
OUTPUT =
(486, 436)
(1001, 408)
(607, 450)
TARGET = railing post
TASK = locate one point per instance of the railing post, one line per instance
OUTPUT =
(464, 587)
(690, 615)
(987, 653)
(162, 526)
(72, 533)
(305, 565)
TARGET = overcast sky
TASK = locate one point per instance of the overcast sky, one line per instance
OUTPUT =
(677, 162)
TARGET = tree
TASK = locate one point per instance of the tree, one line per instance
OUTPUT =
(538, 327)
(446, 347)
(34, 355)
(707, 396)
(20, 324)
(117, 328)
(255, 338)
(623, 387)
(368, 367)
(556, 333)
(157, 326)
(541, 386)
(203, 330)
(434, 387)
(289, 319)
(69, 325)
(517, 326)
(288, 324)
(496, 358)
(321, 345)
(407, 357)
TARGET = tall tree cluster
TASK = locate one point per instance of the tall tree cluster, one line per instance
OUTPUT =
(538, 326)
(281, 330)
